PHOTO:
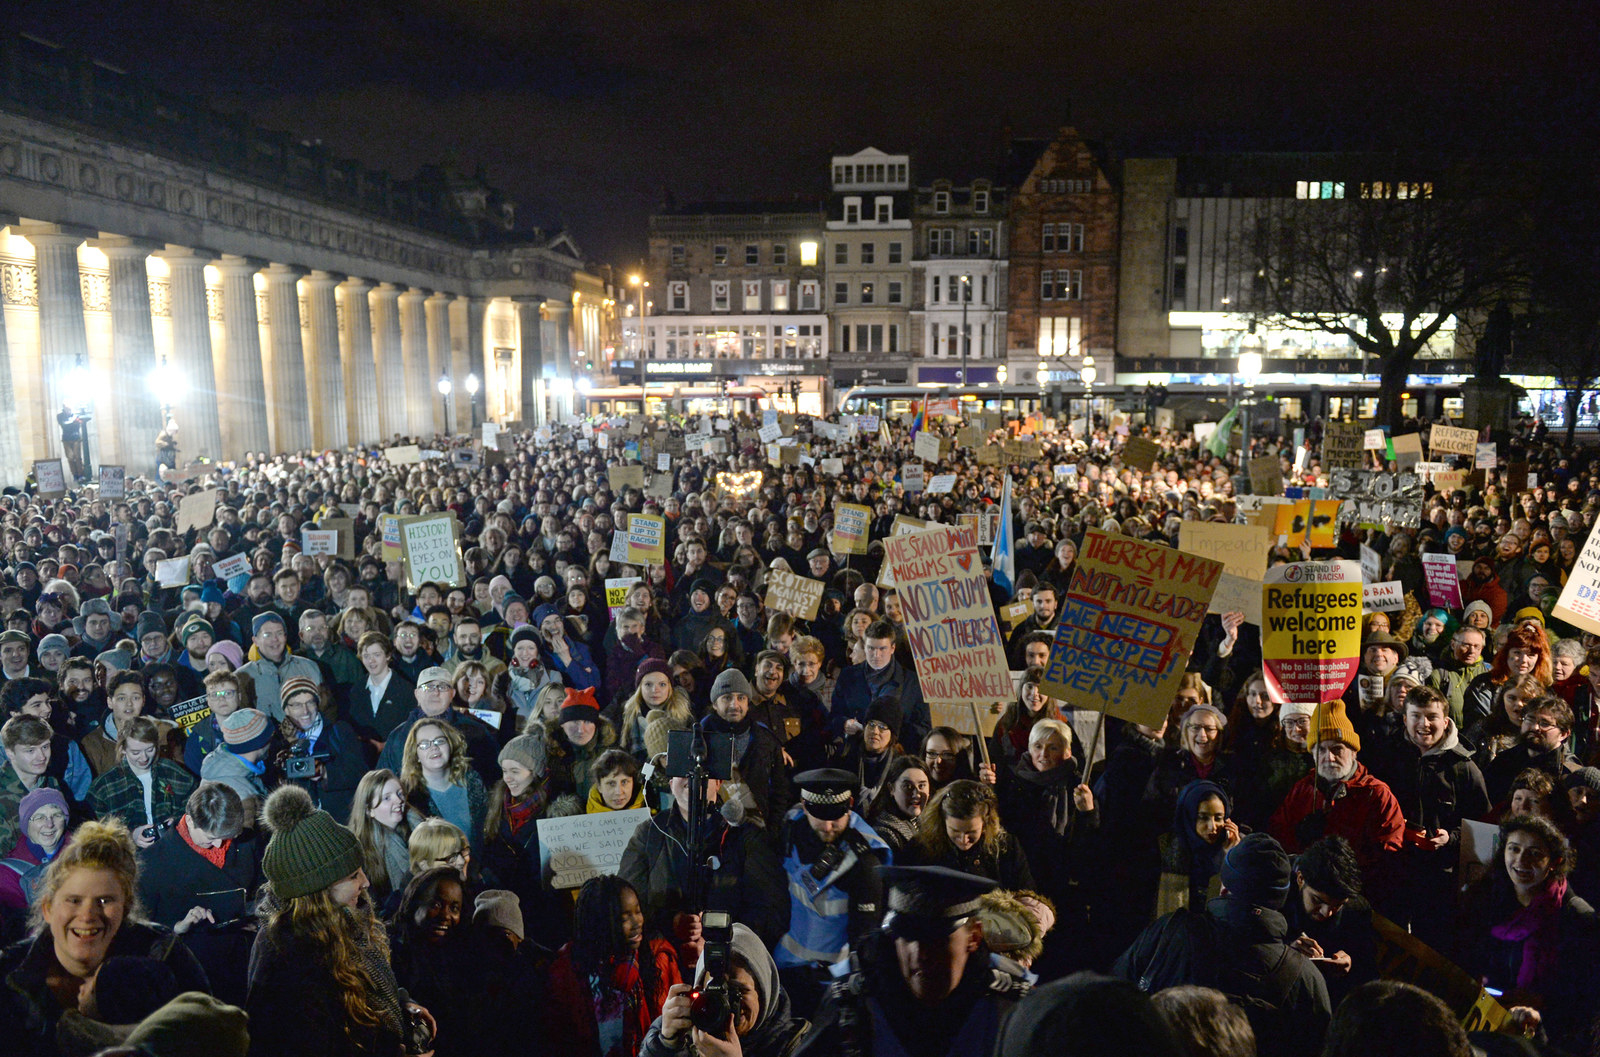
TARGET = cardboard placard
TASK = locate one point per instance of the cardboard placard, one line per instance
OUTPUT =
(1452, 440)
(197, 510)
(346, 528)
(1407, 450)
(190, 712)
(989, 455)
(647, 539)
(926, 446)
(319, 541)
(1016, 612)
(403, 455)
(228, 568)
(1373, 497)
(911, 477)
(51, 477)
(1447, 481)
(798, 596)
(902, 525)
(1374, 440)
(1140, 454)
(660, 486)
(941, 484)
(955, 639)
(1579, 604)
(1386, 597)
(852, 523)
(173, 572)
(430, 550)
(1266, 475)
(1242, 550)
(1311, 629)
(576, 848)
(1341, 446)
(113, 482)
(1401, 956)
(620, 477)
(1128, 625)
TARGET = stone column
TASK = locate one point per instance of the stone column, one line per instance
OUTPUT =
(416, 394)
(360, 377)
(133, 355)
(13, 470)
(438, 307)
(561, 319)
(385, 302)
(324, 369)
(242, 388)
(530, 327)
(195, 409)
(471, 361)
(63, 342)
(291, 409)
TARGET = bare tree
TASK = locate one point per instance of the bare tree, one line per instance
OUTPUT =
(1386, 267)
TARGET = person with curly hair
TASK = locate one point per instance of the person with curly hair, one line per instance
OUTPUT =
(960, 829)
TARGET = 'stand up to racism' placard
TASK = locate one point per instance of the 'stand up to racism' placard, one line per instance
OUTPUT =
(955, 639)
(1128, 625)
(1311, 629)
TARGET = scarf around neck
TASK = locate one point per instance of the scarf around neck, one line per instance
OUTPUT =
(1535, 927)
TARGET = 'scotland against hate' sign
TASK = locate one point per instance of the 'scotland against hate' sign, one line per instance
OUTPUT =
(955, 639)
(1127, 627)
(578, 847)
(1311, 629)
(799, 596)
(1579, 604)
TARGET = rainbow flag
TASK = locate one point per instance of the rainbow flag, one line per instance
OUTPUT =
(920, 421)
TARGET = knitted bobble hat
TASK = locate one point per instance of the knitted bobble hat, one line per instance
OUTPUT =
(308, 851)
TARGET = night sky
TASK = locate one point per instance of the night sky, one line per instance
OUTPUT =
(593, 114)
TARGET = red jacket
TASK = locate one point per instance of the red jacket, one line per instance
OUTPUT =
(573, 1032)
(1368, 816)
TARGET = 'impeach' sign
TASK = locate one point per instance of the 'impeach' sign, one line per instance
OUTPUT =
(1127, 627)
(955, 639)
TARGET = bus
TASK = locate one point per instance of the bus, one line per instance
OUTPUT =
(892, 400)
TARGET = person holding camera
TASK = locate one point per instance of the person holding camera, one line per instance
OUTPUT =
(759, 1020)
(831, 858)
(321, 754)
(197, 879)
(320, 980)
(145, 789)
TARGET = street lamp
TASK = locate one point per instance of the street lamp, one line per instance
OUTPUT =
(1088, 373)
(444, 399)
(472, 398)
(1249, 369)
(78, 402)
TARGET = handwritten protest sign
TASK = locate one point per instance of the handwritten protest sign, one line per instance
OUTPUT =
(319, 541)
(1140, 453)
(1373, 497)
(911, 477)
(955, 639)
(1452, 440)
(1407, 450)
(113, 482)
(1016, 612)
(1127, 627)
(770, 432)
(173, 572)
(901, 526)
(799, 596)
(1311, 630)
(403, 455)
(1341, 446)
(197, 510)
(346, 528)
(576, 848)
(228, 568)
(647, 539)
(430, 551)
(1242, 550)
(1266, 475)
(1447, 481)
(851, 526)
(50, 476)
(1579, 603)
(620, 477)
(941, 483)
(1388, 596)
(1374, 440)
(926, 446)
(1444, 580)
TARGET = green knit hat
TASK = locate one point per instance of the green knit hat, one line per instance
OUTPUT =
(308, 851)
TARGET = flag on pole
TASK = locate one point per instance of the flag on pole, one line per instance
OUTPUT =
(1219, 443)
(920, 420)
(1001, 554)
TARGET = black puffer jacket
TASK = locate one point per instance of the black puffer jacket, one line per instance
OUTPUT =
(1436, 789)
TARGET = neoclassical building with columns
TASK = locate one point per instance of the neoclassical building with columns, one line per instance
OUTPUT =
(157, 254)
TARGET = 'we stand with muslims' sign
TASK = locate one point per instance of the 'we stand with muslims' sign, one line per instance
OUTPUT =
(955, 639)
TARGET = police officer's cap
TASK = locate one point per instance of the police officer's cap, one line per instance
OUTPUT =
(928, 902)
(827, 792)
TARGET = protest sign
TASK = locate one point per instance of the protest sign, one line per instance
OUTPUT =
(926, 446)
(1579, 604)
(660, 486)
(1127, 627)
(50, 477)
(403, 455)
(1374, 440)
(189, 712)
(228, 568)
(619, 546)
(1371, 565)
(1447, 481)
(1373, 497)
(1452, 440)
(197, 510)
(1403, 957)
(1306, 521)
(990, 455)
(1341, 446)
(986, 523)
(617, 592)
(851, 525)
(346, 528)
(430, 551)
(647, 539)
(173, 572)
(1485, 457)
(911, 477)
(1386, 597)
(663, 461)
(833, 467)
(1444, 580)
(113, 482)
(1242, 550)
(1266, 475)
(620, 477)
(770, 432)
(799, 596)
(1258, 509)
(899, 527)
(1311, 630)
(1407, 450)
(955, 638)
(941, 483)
(319, 541)
(576, 848)
(1140, 454)
(389, 526)
(1016, 612)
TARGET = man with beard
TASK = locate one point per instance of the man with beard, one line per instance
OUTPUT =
(831, 856)
(340, 669)
(696, 623)
(791, 712)
(1342, 798)
(1544, 746)
(757, 753)
(467, 638)
(1045, 611)
(76, 689)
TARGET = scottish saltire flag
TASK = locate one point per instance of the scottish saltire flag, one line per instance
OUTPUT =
(1001, 554)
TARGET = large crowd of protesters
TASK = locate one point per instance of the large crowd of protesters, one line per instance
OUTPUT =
(295, 810)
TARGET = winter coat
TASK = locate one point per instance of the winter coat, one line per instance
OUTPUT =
(1435, 789)
(1007, 865)
(342, 770)
(1039, 811)
(855, 692)
(1367, 815)
(483, 748)
(399, 697)
(1568, 1008)
(295, 1006)
(421, 800)
(119, 792)
(572, 1031)
(760, 769)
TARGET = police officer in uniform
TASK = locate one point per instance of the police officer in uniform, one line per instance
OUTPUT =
(923, 985)
(831, 858)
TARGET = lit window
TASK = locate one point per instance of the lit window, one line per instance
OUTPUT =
(808, 254)
(780, 295)
(752, 295)
(678, 296)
